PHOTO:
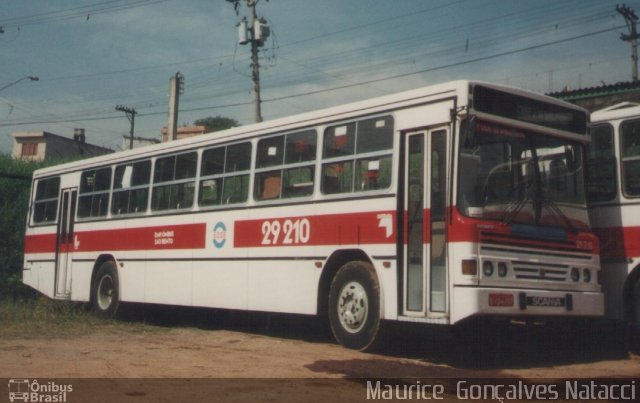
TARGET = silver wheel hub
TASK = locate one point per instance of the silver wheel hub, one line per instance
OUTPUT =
(105, 292)
(352, 307)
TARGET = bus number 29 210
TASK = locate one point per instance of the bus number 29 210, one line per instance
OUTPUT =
(286, 232)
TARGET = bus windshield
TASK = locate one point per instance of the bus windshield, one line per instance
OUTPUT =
(521, 177)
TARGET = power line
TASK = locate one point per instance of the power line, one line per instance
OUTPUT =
(75, 12)
(351, 85)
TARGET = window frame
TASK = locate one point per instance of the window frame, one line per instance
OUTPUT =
(181, 183)
(46, 201)
(384, 157)
(225, 175)
(623, 159)
(82, 193)
(610, 159)
(278, 171)
(131, 188)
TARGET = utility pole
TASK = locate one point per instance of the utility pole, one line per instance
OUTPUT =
(176, 88)
(258, 31)
(131, 115)
(631, 20)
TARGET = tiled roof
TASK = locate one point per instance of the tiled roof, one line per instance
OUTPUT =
(602, 90)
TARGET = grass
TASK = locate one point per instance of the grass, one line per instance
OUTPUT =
(42, 317)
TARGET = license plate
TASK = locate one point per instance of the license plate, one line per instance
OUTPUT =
(545, 301)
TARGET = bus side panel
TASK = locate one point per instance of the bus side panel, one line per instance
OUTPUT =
(80, 277)
(616, 227)
(219, 269)
(39, 259)
(282, 286)
(132, 281)
(40, 276)
(168, 282)
(220, 284)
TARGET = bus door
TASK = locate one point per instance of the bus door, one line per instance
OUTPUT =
(425, 279)
(64, 243)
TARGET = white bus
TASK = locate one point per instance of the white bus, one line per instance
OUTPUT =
(614, 198)
(434, 205)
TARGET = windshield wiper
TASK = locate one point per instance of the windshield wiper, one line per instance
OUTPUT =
(551, 205)
(520, 204)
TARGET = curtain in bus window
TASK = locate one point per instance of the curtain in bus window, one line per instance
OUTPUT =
(357, 156)
(631, 158)
(339, 140)
(373, 173)
(290, 159)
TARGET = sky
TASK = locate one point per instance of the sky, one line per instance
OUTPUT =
(93, 55)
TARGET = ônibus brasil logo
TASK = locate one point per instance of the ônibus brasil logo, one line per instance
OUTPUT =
(24, 390)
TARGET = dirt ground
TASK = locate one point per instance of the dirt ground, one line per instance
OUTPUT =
(162, 354)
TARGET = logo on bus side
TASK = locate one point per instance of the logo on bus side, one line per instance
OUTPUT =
(219, 235)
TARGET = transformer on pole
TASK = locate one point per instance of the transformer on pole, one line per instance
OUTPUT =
(255, 31)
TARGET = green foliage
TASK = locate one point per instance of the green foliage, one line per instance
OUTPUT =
(14, 204)
(217, 123)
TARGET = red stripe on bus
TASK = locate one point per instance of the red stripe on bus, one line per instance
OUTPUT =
(187, 236)
(42, 243)
(332, 229)
(619, 242)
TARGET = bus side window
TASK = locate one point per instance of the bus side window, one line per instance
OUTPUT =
(369, 139)
(630, 136)
(601, 169)
(174, 182)
(45, 205)
(95, 187)
(224, 175)
(291, 161)
(131, 188)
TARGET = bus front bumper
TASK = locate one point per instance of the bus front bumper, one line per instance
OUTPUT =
(472, 301)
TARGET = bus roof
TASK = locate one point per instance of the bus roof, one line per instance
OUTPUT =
(617, 111)
(459, 89)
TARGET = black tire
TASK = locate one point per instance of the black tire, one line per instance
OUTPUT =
(354, 306)
(635, 320)
(105, 295)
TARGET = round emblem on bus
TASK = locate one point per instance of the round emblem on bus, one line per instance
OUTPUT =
(219, 235)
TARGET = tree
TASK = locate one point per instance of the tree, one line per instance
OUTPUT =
(214, 124)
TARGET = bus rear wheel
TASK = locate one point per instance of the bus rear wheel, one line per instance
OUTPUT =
(105, 297)
(354, 305)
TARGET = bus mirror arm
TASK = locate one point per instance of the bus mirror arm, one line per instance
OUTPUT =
(469, 130)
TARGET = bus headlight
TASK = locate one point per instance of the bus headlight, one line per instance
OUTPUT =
(487, 268)
(586, 274)
(502, 269)
(575, 274)
(470, 267)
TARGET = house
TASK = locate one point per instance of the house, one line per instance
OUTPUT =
(183, 132)
(42, 145)
(137, 142)
(594, 98)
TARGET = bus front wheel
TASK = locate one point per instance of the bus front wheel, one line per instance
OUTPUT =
(635, 319)
(105, 297)
(354, 305)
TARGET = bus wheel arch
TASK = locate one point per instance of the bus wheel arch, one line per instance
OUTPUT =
(630, 295)
(353, 301)
(105, 287)
(334, 263)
